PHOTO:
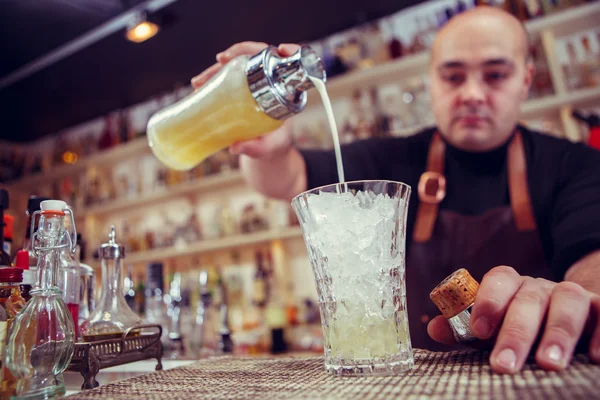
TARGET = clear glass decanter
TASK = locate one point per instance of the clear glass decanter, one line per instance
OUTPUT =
(112, 316)
(42, 336)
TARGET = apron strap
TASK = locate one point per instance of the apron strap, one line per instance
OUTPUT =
(432, 188)
(520, 200)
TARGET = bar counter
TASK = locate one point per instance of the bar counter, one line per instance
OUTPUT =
(454, 375)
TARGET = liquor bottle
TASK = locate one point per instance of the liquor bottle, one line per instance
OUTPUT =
(108, 138)
(130, 288)
(4, 202)
(260, 293)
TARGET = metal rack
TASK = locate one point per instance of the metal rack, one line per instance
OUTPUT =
(90, 357)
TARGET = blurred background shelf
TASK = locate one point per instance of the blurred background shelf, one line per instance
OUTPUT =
(135, 148)
(551, 104)
(234, 242)
(566, 22)
(205, 184)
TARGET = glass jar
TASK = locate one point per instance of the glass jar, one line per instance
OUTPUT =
(11, 303)
(3, 328)
(10, 291)
(112, 315)
(41, 337)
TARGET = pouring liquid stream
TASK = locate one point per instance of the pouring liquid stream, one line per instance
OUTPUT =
(320, 86)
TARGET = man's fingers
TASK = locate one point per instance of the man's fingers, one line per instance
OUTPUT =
(203, 77)
(497, 289)
(569, 307)
(254, 148)
(521, 325)
(440, 331)
(287, 49)
(239, 49)
(235, 50)
(594, 317)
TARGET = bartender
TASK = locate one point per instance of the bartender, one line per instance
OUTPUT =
(519, 209)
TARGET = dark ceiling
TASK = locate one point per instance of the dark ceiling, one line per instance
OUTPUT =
(114, 73)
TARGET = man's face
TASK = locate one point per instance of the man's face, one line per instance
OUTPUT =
(479, 78)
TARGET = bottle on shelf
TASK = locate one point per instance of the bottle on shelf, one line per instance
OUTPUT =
(112, 316)
(175, 347)
(154, 305)
(204, 339)
(22, 262)
(29, 274)
(130, 288)
(225, 344)
(42, 336)
(591, 64)
(572, 68)
(108, 138)
(264, 90)
(140, 299)
(261, 289)
(4, 202)
(87, 275)
(395, 47)
(593, 124)
(9, 222)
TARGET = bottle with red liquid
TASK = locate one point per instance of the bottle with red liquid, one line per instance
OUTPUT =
(69, 282)
(593, 122)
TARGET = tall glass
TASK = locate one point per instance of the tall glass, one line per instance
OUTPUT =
(355, 234)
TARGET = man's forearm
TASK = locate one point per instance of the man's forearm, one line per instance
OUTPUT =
(282, 176)
(586, 272)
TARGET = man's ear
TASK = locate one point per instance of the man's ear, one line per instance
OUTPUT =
(528, 80)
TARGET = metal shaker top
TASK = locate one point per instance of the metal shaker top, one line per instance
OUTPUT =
(279, 84)
(112, 250)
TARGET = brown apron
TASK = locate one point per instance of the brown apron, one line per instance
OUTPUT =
(444, 241)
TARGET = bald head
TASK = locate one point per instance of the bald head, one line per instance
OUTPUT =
(479, 24)
(479, 78)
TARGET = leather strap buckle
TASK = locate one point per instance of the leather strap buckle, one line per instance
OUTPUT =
(432, 180)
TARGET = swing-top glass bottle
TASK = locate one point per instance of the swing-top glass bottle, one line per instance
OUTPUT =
(41, 338)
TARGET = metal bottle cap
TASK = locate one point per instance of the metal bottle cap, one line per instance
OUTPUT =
(279, 84)
(112, 250)
(454, 296)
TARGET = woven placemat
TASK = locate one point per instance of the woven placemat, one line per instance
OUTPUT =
(454, 375)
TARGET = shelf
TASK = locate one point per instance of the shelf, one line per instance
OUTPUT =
(572, 20)
(391, 71)
(576, 98)
(576, 19)
(183, 189)
(100, 159)
(213, 245)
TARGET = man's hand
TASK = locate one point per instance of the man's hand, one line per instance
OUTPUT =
(518, 310)
(270, 145)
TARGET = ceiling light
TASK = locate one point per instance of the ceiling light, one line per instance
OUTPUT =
(140, 29)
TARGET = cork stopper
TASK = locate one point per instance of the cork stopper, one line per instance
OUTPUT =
(455, 294)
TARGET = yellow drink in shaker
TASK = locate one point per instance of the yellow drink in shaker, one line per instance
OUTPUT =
(248, 98)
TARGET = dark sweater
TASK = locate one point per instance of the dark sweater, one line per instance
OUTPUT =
(564, 184)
